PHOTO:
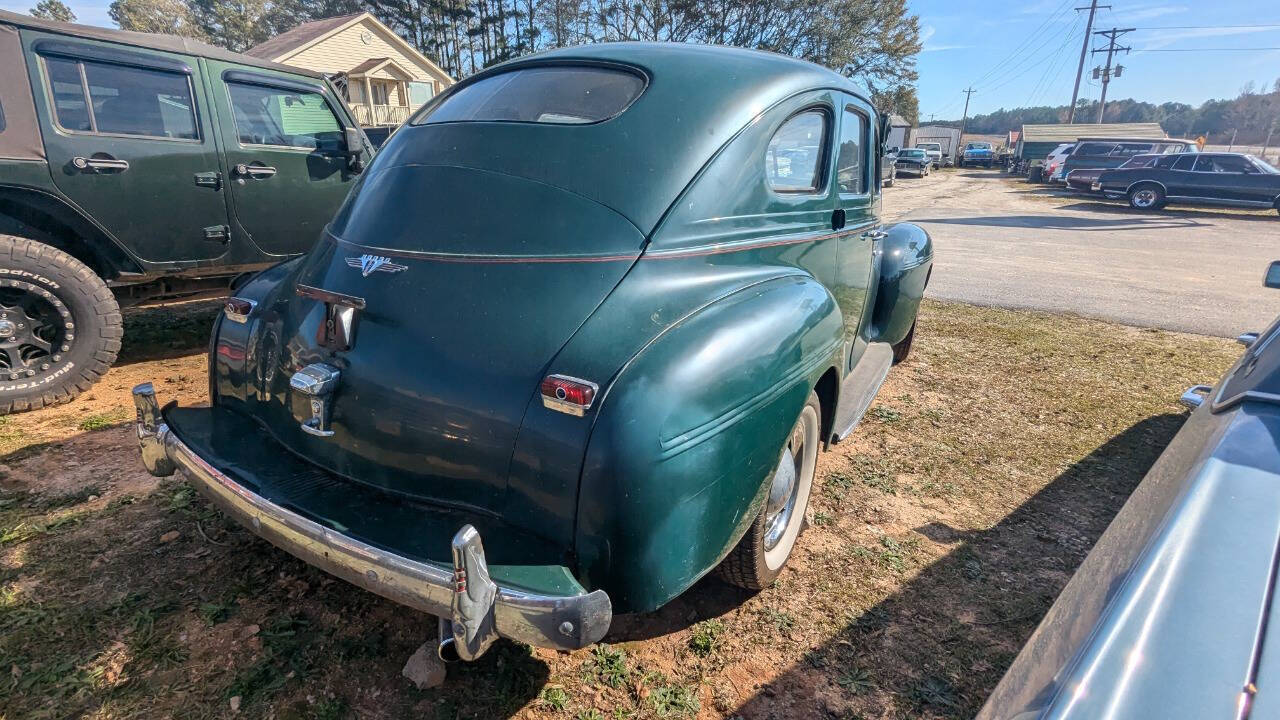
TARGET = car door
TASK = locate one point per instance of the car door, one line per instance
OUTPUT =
(1239, 179)
(1214, 179)
(129, 138)
(1180, 179)
(857, 198)
(286, 156)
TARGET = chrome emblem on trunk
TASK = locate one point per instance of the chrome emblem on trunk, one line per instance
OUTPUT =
(370, 264)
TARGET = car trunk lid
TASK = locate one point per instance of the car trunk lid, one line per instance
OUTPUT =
(464, 307)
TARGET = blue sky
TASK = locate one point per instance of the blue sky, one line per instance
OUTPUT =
(1025, 53)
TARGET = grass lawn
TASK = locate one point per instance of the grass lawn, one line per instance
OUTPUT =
(942, 531)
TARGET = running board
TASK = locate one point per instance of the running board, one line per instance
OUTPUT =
(860, 387)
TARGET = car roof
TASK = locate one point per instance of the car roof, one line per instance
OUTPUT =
(696, 100)
(150, 41)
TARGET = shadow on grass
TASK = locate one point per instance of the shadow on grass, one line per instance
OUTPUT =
(157, 606)
(157, 332)
(937, 647)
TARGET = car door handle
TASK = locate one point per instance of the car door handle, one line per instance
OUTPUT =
(873, 235)
(257, 172)
(99, 163)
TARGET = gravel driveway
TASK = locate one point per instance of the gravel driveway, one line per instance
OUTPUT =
(1006, 243)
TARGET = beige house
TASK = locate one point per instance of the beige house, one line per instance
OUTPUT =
(385, 77)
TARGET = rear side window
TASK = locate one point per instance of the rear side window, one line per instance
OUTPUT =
(284, 118)
(1131, 149)
(556, 95)
(793, 160)
(1184, 162)
(1094, 149)
(1167, 161)
(121, 100)
(850, 173)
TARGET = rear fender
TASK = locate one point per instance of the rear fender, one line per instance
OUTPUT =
(45, 217)
(689, 432)
(905, 263)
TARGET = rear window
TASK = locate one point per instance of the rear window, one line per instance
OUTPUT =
(556, 95)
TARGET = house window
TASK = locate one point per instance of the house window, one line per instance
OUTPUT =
(420, 93)
(380, 94)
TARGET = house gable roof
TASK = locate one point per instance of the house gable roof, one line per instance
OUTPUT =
(285, 45)
(299, 37)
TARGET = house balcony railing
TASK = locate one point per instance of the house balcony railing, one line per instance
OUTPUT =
(379, 115)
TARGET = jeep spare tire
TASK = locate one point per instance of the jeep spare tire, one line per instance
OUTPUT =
(60, 326)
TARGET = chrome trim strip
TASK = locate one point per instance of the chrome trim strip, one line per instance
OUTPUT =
(560, 622)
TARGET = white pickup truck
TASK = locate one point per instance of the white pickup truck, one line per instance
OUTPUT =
(933, 150)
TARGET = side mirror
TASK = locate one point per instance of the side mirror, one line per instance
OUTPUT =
(1272, 278)
(354, 140)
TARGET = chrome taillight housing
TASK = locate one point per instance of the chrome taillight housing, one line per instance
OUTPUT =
(238, 309)
(568, 394)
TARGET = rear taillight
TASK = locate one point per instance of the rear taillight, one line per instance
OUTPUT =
(238, 309)
(567, 394)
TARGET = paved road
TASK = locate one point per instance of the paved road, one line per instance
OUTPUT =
(1005, 243)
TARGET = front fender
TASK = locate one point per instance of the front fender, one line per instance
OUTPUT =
(905, 263)
(689, 432)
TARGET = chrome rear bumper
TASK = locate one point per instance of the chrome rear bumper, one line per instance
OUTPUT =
(480, 610)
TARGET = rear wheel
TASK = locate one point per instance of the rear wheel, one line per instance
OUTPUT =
(1146, 197)
(60, 326)
(902, 349)
(759, 557)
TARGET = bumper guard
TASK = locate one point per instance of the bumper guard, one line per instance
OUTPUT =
(480, 610)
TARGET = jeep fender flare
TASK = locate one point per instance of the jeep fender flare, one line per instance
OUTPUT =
(50, 218)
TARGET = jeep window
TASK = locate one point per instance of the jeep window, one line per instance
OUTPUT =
(122, 100)
(68, 94)
(793, 160)
(850, 174)
(285, 118)
(556, 94)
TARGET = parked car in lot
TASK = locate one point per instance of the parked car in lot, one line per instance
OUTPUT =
(145, 167)
(1232, 179)
(1083, 180)
(977, 153)
(888, 170)
(1054, 159)
(1169, 616)
(934, 151)
(1092, 153)
(621, 390)
(914, 161)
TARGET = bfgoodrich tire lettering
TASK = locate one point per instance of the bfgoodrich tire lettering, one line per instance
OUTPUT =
(60, 326)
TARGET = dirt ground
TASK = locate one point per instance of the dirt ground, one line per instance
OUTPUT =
(941, 533)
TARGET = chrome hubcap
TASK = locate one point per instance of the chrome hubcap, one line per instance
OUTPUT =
(1144, 198)
(784, 490)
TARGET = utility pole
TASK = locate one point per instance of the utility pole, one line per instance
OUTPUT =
(965, 118)
(1111, 49)
(1084, 49)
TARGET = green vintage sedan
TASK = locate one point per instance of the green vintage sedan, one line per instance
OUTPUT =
(600, 307)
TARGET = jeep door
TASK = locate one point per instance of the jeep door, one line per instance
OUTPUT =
(857, 198)
(129, 138)
(288, 169)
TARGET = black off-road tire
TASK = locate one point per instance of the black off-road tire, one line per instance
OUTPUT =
(746, 565)
(94, 315)
(902, 349)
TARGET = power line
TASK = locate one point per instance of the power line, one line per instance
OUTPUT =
(1248, 49)
(1203, 27)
